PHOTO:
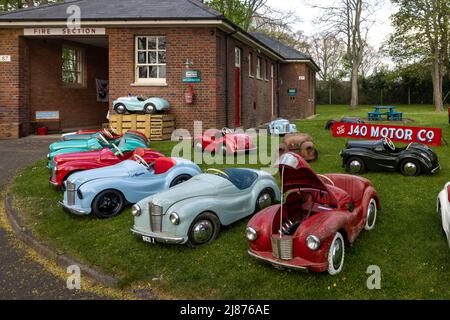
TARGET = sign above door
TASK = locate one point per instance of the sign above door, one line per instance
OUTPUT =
(64, 32)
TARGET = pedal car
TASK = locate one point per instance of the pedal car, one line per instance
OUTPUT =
(361, 156)
(443, 208)
(66, 164)
(194, 212)
(106, 191)
(331, 123)
(301, 144)
(224, 141)
(136, 104)
(109, 134)
(126, 143)
(281, 127)
(321, 214)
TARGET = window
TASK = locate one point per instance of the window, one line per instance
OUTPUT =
(258, 68)
(151, 60)
(267, 70)
(250, 64)
(237, 58)
(73, 66)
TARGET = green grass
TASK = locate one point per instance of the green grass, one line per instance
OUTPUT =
(407, 243)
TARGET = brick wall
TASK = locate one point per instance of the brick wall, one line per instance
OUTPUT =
(303, 105)
(10, 84)
(78, 107)
(196, 44)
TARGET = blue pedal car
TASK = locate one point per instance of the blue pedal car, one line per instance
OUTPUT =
(135, 104)
(281, 127)
(106, 191)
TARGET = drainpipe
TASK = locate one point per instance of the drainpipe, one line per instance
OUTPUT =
(278, 90)
(227, 89)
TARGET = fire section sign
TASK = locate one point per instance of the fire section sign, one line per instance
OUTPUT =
(428, 136)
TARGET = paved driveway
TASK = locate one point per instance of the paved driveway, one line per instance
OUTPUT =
(21, 278)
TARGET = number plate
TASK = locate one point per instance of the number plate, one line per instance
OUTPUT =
(149, 240)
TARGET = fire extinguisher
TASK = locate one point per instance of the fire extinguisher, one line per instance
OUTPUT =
(189, 95)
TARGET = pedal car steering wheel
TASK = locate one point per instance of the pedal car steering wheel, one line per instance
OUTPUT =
(217, 171)
(107, 133)
(102, 138)
(118, 150)
(389, 143)
(226, 131)
(141, 160)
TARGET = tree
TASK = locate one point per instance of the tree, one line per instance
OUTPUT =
(240, 12)
(350, 21)
(422, 35)
(8, 5)
(328, 52)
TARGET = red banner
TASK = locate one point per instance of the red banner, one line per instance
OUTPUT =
(428, 136)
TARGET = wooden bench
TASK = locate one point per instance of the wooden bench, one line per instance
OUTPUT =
(46, 117)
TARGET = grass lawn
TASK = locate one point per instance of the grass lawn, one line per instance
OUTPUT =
(407, 243)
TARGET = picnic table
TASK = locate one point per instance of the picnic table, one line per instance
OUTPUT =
(388, 111)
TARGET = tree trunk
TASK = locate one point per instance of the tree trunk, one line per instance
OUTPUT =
(437, 86)
(330, 94)
(355, 98)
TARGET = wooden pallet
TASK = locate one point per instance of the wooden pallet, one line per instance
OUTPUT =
(156, 127)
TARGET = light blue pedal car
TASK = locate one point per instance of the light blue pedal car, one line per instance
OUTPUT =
(193, 213)
(135, 104)
(106, 191)
(281, 127)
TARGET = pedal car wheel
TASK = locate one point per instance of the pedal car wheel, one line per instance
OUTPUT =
(336, 255)
(180, 179)
(120, 108)
(356, 165)
(410, 168)
(265, 199)
(204, 230)
(108, 204)
(371, 215)
(150, 108)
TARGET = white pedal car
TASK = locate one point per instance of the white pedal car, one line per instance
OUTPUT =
(443, 208)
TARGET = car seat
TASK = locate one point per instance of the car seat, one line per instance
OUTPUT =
(162, 165)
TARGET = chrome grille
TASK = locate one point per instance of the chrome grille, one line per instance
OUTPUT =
(286, 128)
(71, 189)
(156, 217)
(282, 248)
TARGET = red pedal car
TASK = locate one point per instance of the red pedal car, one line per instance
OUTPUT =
(321, 214)
(225, 141)
(69, 163)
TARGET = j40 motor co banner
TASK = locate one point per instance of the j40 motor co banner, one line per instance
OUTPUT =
(428, 136)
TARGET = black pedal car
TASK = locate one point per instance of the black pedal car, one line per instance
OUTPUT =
(331, 123)
(361, 156)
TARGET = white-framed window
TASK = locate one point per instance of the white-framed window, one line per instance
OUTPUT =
(150, 60)
(250, 64)
(237, 57)
(73, 67)
(258, 67)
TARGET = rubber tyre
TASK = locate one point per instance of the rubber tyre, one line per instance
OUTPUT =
(208, 217)
(368, 226)
(150, 108)
(332, 269)
(363, 166)
(116, 108)
(102, 214)
(268, 191)
(180, 179)
(402, 169)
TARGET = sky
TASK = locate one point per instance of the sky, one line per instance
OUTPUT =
(378, 34)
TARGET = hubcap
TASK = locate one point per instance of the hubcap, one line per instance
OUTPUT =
(355, 166)
(410, 168)
(120, 109)
(203, 231)
(264, 201)
(337, 253)
(150, 109)
(371, 214)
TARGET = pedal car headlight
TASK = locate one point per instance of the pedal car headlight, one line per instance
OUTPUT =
(48, 156)
(174, 218)
(251, 234)
(136, 210)
(313, 242)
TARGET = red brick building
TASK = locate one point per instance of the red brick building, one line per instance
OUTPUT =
(48, 69)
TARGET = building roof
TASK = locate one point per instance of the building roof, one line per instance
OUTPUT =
(117, 9)
(282, 49)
